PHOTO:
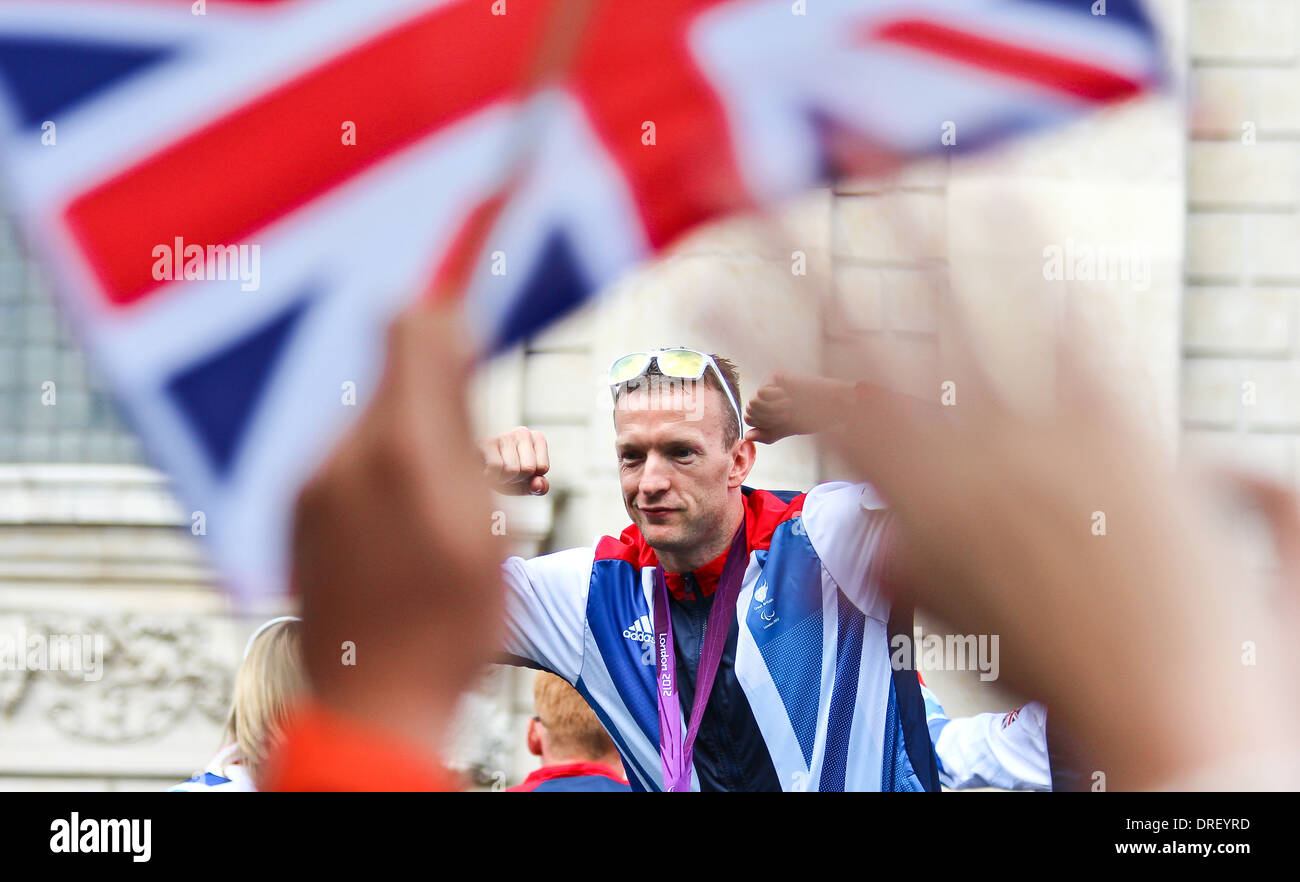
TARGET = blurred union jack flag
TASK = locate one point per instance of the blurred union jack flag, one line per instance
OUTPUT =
(233, 204)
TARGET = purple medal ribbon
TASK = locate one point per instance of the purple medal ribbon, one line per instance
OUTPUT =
(675, 753)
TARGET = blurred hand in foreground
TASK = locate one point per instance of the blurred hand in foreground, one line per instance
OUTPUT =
(1067, 533)
(393, 550)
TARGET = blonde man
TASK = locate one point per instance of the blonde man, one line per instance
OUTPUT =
(576, 752)
(269, 680)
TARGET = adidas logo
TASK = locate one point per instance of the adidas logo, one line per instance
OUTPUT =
(640, 631)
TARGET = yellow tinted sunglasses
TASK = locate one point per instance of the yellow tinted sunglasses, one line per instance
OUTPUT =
(681, 363)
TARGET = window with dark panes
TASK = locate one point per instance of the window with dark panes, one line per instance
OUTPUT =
(52, 408)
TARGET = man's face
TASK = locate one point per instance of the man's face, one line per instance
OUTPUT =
(675, 473)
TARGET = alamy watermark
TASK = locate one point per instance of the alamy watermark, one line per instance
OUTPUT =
(660, 392)
(78, 835)
(81, 654)
(178, 261)
(1098, 262)
(946, 652)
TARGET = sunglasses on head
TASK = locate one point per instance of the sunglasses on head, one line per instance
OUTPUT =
(681, 363)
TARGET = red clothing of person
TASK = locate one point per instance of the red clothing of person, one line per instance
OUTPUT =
(323, 750)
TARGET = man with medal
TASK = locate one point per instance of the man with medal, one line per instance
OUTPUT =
(731, 638)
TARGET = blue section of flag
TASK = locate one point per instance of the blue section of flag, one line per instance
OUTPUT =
(1129, 12)
(828, 167)
(45, 76)
(555, 285)
(218, 396)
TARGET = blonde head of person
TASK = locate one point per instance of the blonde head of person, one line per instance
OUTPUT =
(576, 752)
(269, 680)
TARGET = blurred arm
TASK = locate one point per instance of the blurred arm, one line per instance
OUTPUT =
(397, 565)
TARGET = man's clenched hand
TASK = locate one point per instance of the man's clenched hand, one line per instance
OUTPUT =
(516, 462)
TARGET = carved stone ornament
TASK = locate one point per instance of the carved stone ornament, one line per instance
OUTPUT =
(114, 680)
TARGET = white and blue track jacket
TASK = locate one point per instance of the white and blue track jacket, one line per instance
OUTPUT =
(809, 653)
(222, 773)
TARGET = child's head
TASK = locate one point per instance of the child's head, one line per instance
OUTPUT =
(565, 728)
(269, 680)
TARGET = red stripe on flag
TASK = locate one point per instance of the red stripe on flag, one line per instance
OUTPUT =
(636, 67)
(1064, 75)
(257, 164)
(457, 265)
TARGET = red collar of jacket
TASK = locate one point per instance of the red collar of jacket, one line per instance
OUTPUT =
(706, 577)
(565, 770)
(764, 512)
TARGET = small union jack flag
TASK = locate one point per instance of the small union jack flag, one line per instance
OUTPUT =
(1011, 716)
(233, 204)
